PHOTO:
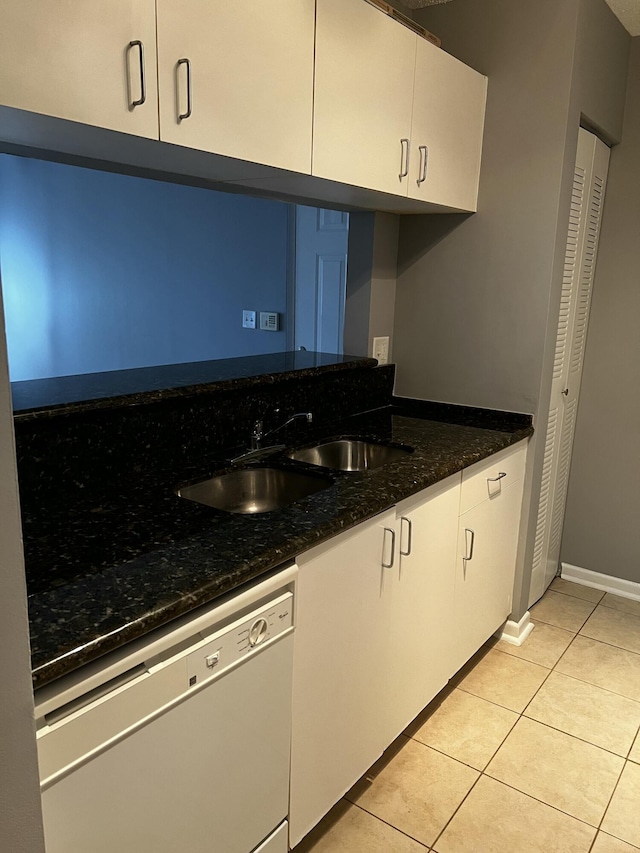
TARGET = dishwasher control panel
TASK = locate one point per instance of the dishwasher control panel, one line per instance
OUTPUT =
(223, 649)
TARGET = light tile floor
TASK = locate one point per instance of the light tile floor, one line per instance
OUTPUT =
(530, 748)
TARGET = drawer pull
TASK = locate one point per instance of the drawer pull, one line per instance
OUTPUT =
(143, 83)
(424, 159)
(409, 536)
(187, 63)
(469, 547)
(404, 158)
(499, 477)
(393, 548)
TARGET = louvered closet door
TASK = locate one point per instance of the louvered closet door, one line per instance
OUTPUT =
(592, 162)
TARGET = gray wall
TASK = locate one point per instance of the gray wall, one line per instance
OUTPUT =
(603, 504)
(371, 281)
(20, 819)
(600, 70)
(383, 279)
(106, 272)
(478, 296)
(473, 292)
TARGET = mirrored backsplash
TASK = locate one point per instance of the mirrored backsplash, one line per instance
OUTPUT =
(106, 272)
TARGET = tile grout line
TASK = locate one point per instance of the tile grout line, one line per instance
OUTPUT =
(599, 687)
(611, 645)
(391, 825)
(624, 764)
(542, 802)
(563, 627)
(522, 714)
(604, 814)
(483, 772)
(571, 595)
(581, 739)
(519, 716)
(456, 810)
(575, 737)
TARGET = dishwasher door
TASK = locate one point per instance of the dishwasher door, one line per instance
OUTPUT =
(191, 753)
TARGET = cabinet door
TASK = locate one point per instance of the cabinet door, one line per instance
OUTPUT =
(487, 544)
(244, 72)
(422, 611)
(447, 129)
(363, 96)
(73, 59)
(342, 625)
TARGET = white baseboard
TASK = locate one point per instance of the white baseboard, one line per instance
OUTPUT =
(618, 586)
(516, 632)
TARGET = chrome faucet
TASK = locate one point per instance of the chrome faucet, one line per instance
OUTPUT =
(259, 433)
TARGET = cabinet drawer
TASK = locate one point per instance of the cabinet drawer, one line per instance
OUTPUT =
(483, 480)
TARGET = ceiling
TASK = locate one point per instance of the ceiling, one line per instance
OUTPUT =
(627, 11)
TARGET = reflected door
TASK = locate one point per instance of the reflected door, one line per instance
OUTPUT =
(321, 238)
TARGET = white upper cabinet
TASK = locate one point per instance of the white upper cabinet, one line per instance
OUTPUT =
(393, 112)
(237, 79)
(363, 96)
(447, 128)
(88, 62)
(335, 89)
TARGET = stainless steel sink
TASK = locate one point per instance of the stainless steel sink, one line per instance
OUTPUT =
(254, 490)
(347, 454)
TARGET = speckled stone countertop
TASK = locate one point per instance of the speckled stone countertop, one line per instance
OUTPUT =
(189, 554)
(41, 398)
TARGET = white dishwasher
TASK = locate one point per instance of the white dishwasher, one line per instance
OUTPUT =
(177, 742)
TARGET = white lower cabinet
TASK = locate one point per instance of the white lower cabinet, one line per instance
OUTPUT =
(386, 614)
(491, 500)
(374, 607)
(343, 612)
(419, 643)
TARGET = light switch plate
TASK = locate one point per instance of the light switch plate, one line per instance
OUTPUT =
(248, 319)
(381, 350)
(269, 321)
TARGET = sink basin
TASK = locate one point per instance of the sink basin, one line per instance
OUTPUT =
(254, 490)
(348, 454)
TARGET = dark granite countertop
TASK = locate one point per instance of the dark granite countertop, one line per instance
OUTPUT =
(40, 398)
(166, 556)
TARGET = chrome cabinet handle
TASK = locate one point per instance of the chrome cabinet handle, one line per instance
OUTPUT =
(187, 62)
(469, 550)
(143, 80)
(424, 159)
(393, 548)
(499, 477)
(409, 537)
(404, 158)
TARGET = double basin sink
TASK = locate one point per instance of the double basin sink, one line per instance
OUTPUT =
(263, 489)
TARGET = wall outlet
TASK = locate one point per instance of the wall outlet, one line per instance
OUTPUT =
(381, 350)
(248, 319)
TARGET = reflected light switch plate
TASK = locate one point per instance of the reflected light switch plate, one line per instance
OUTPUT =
(248, 319)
